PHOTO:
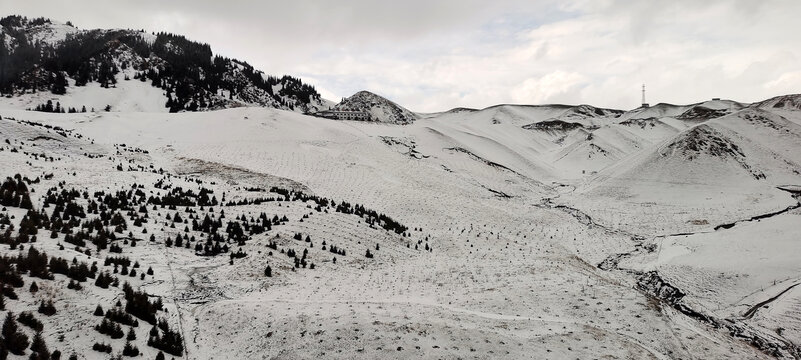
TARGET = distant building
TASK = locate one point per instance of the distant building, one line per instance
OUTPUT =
(343, 115)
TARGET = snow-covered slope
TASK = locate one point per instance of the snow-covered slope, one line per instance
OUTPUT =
(737, 157)
(710, 110)
(125, 96)
(529, 115)
(657, 111)
(785, 102)
(507, 240)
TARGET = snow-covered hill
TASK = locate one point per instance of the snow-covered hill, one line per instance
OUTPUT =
(486, 202)
(379, 108)
(786, 102)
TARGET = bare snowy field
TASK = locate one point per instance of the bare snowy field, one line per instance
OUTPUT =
(625, 236)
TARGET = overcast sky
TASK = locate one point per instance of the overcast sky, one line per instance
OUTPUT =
(432, 55)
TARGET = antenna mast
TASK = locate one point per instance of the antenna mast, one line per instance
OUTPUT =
(643, 93)
(644, 104)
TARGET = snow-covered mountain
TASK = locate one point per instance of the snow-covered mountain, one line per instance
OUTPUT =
(44, 60)
(377, 107)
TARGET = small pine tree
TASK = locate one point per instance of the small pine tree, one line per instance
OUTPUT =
(39, 347)
(130, 350)
(47, 308)
(268, 272)
(98, 311)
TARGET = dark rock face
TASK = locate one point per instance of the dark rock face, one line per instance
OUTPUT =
(553, 125)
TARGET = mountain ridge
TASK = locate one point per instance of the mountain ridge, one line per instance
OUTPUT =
(40, 55)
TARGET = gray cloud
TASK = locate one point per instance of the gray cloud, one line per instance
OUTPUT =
(433, 55)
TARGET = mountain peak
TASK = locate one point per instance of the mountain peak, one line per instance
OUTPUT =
(377, 108)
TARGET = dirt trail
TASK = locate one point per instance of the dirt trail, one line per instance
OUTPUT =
(168, 259)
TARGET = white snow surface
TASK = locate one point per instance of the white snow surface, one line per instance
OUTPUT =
(125, 96)
(519, 220)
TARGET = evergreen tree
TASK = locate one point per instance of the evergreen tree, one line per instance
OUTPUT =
(47, 308)
(59, 84)
(39, 347)
(3, 61)
(130, 350)
(15, 341)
